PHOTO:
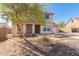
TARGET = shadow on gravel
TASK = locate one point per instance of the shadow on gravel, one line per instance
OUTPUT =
(62, 50)
(58, 49)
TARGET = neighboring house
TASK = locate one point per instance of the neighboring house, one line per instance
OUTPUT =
(72, 25)
(4, 27)
(36, 28)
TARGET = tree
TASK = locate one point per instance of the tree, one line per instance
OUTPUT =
(18, 12)
(61, 25)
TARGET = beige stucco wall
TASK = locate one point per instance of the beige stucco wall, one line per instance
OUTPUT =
(74, 23)
(48, 22)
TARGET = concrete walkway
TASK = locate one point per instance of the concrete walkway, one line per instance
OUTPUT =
(71, 35)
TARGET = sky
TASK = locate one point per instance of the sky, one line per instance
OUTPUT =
(63, 11)
(3, 21)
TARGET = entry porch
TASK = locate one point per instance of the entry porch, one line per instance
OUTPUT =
(29, 29)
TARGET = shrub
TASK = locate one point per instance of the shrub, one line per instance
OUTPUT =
(33, 35)
(30, 35)
(45, 39)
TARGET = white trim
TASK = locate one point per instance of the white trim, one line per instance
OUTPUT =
(33, 28)
(24, 28)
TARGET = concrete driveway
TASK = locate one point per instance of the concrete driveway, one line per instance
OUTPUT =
(71, 35)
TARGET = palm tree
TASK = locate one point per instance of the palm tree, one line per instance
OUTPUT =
(17, 12)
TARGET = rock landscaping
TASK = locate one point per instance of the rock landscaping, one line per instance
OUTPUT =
(42, 45)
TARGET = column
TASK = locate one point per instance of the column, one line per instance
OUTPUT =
(14, 30)
(41, 29)
(24, 28)
(33, 28)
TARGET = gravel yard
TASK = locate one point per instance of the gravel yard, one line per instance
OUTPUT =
(44, 46)
(57, 46)
(8, 48)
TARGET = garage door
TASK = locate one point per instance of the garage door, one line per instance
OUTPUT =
(75, 29)
(55, 30)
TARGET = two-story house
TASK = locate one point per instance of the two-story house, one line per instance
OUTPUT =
(72, 25)
(4, 27)
(36, 28)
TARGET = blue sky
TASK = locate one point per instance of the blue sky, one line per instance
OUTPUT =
(63, 11)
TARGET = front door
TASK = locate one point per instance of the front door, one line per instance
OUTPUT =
(29, 28)
(37, 29)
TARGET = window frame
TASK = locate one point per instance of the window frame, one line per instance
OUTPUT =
(46, 27)
(46, 16)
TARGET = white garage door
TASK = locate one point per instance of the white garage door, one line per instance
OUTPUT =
(55, 30)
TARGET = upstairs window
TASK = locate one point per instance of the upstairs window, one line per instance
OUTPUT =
(46, 16)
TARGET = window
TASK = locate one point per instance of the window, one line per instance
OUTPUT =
(46, 16)
(46, 28)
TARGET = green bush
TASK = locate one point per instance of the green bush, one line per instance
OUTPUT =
(30, 35)
(45, 39)
(33, 35)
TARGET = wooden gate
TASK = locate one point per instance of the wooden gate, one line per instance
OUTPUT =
(3, 34)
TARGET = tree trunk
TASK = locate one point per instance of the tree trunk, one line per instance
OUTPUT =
(20, 26)
(24, 37)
